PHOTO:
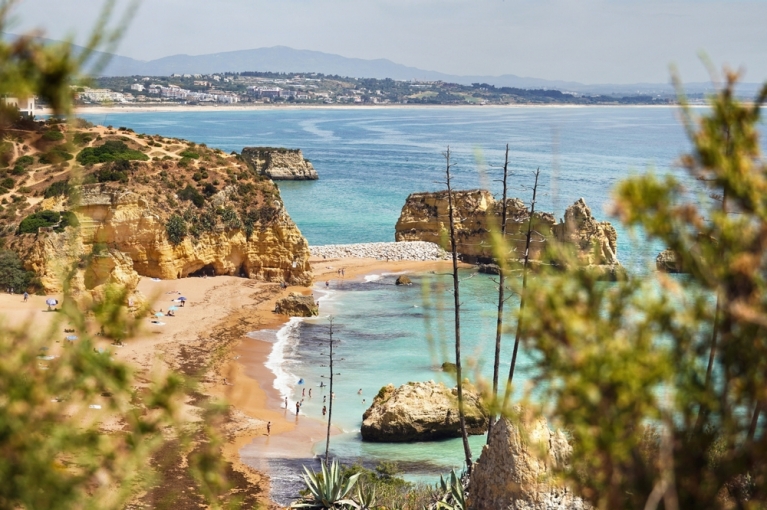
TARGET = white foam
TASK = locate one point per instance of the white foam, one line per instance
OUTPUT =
(372, 278)
(287, 340)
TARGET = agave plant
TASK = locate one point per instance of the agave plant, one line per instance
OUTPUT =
(366, 497)
(454, 496)
(327, 489)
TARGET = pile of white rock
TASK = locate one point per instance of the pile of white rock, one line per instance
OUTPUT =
(405, 250)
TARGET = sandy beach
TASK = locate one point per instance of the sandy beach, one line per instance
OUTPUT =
(205, 339)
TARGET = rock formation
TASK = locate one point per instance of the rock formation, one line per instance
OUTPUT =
(668, 262)
(424, 217)
(403, 280)
(297, 305)
(279, 164)
(419, 411)
(227, 219)
(515, 467)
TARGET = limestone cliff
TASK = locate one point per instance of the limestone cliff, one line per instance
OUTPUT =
(515, 469)
(279, 164)
(188, 210)
(419, 411)
(424, 217)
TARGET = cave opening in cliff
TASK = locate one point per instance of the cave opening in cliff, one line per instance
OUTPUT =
(206, 270)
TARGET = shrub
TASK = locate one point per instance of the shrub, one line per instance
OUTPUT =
(55, 156)
(25, 161)
(33, 222)
(57, 189)
(176, 229)
(7, 183)
(18, 170)
(109, 151)
(81, 138)
(230, 218)
(209, 189)
(191, 194)
(12, 272)
(53, 135)
(184, 162)
(189, 154)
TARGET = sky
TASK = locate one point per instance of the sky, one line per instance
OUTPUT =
(589, 41)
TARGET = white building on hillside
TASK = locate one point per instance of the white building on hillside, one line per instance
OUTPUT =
(26, 105)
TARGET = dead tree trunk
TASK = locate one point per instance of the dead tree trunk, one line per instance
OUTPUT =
(330, 404)
(456, 297)
(501, 282)
(518, 334)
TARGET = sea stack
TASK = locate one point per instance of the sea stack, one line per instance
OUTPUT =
(279, 164)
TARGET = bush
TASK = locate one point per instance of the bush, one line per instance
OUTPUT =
(189, 154)
(109, 151)
(81, 138)
(57, 189)
(112, 173)
(33, 222)
(176, 229)
(55, 156)
(7, 183)
(25, 161)
(191, 194)
(53, 135)
(12, 272)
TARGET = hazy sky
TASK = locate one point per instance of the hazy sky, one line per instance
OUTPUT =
(591, 41)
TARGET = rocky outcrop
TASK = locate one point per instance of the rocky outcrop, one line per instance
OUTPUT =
(131, 239)
(419, 411)
(669, 262)
(403, 280)
(279, 164)
(297, 305)
(425, 217)
(515, 467)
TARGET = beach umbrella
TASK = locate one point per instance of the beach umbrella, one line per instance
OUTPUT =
(300, 381)
(72, 338)
(51, 302)
(182, 298)
(159, 314)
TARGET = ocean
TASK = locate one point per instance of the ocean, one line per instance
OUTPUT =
(369, 160)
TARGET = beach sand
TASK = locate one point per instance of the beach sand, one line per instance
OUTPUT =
(205, 339)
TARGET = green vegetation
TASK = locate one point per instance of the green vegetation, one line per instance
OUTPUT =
(58, 189)
(189, 154)
(661, 382)
(25, 161)
(330, 488)
(33, 222)
(12, 273)
(176, 229)
(190, 193)
(112, 150)
(82, 138)
(55, 155)
(53, 135)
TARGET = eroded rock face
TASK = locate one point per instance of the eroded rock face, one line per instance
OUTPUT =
(421, 411)
(403, 280)
(425, 217)
(133, 232)
(515, 467)
(279, 164)
(668, 262)
(297, 305)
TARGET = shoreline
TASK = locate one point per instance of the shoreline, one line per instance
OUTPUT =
(292, 437)
(168, 108)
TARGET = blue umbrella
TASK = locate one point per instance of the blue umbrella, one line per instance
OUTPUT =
(300, 381)
(182, 298)
(159, 314)
(51, 302)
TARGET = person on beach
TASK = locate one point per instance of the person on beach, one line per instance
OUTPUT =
(26, 296)
(286, 402)
(310, 393)
(327, 284)
(298, 407)
(268, 428)
(303, 392)
(324, 398)
(324, 410)
(359, 392)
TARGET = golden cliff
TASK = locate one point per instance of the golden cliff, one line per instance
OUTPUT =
(182, 210)
(424, 217)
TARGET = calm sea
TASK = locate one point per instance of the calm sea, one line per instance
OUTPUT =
(369, 160)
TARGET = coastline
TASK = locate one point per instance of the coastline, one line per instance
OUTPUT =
(166, 108)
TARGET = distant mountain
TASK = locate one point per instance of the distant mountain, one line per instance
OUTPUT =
(289, 60)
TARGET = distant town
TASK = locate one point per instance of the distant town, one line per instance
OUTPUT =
(315, 88)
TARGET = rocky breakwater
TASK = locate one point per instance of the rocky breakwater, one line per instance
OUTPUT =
(516, 467)
(414, 250)
(279, 164)
(424, 217)
(297, 305)
(421, 411)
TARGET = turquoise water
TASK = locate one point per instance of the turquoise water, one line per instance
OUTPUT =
(369, 160)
